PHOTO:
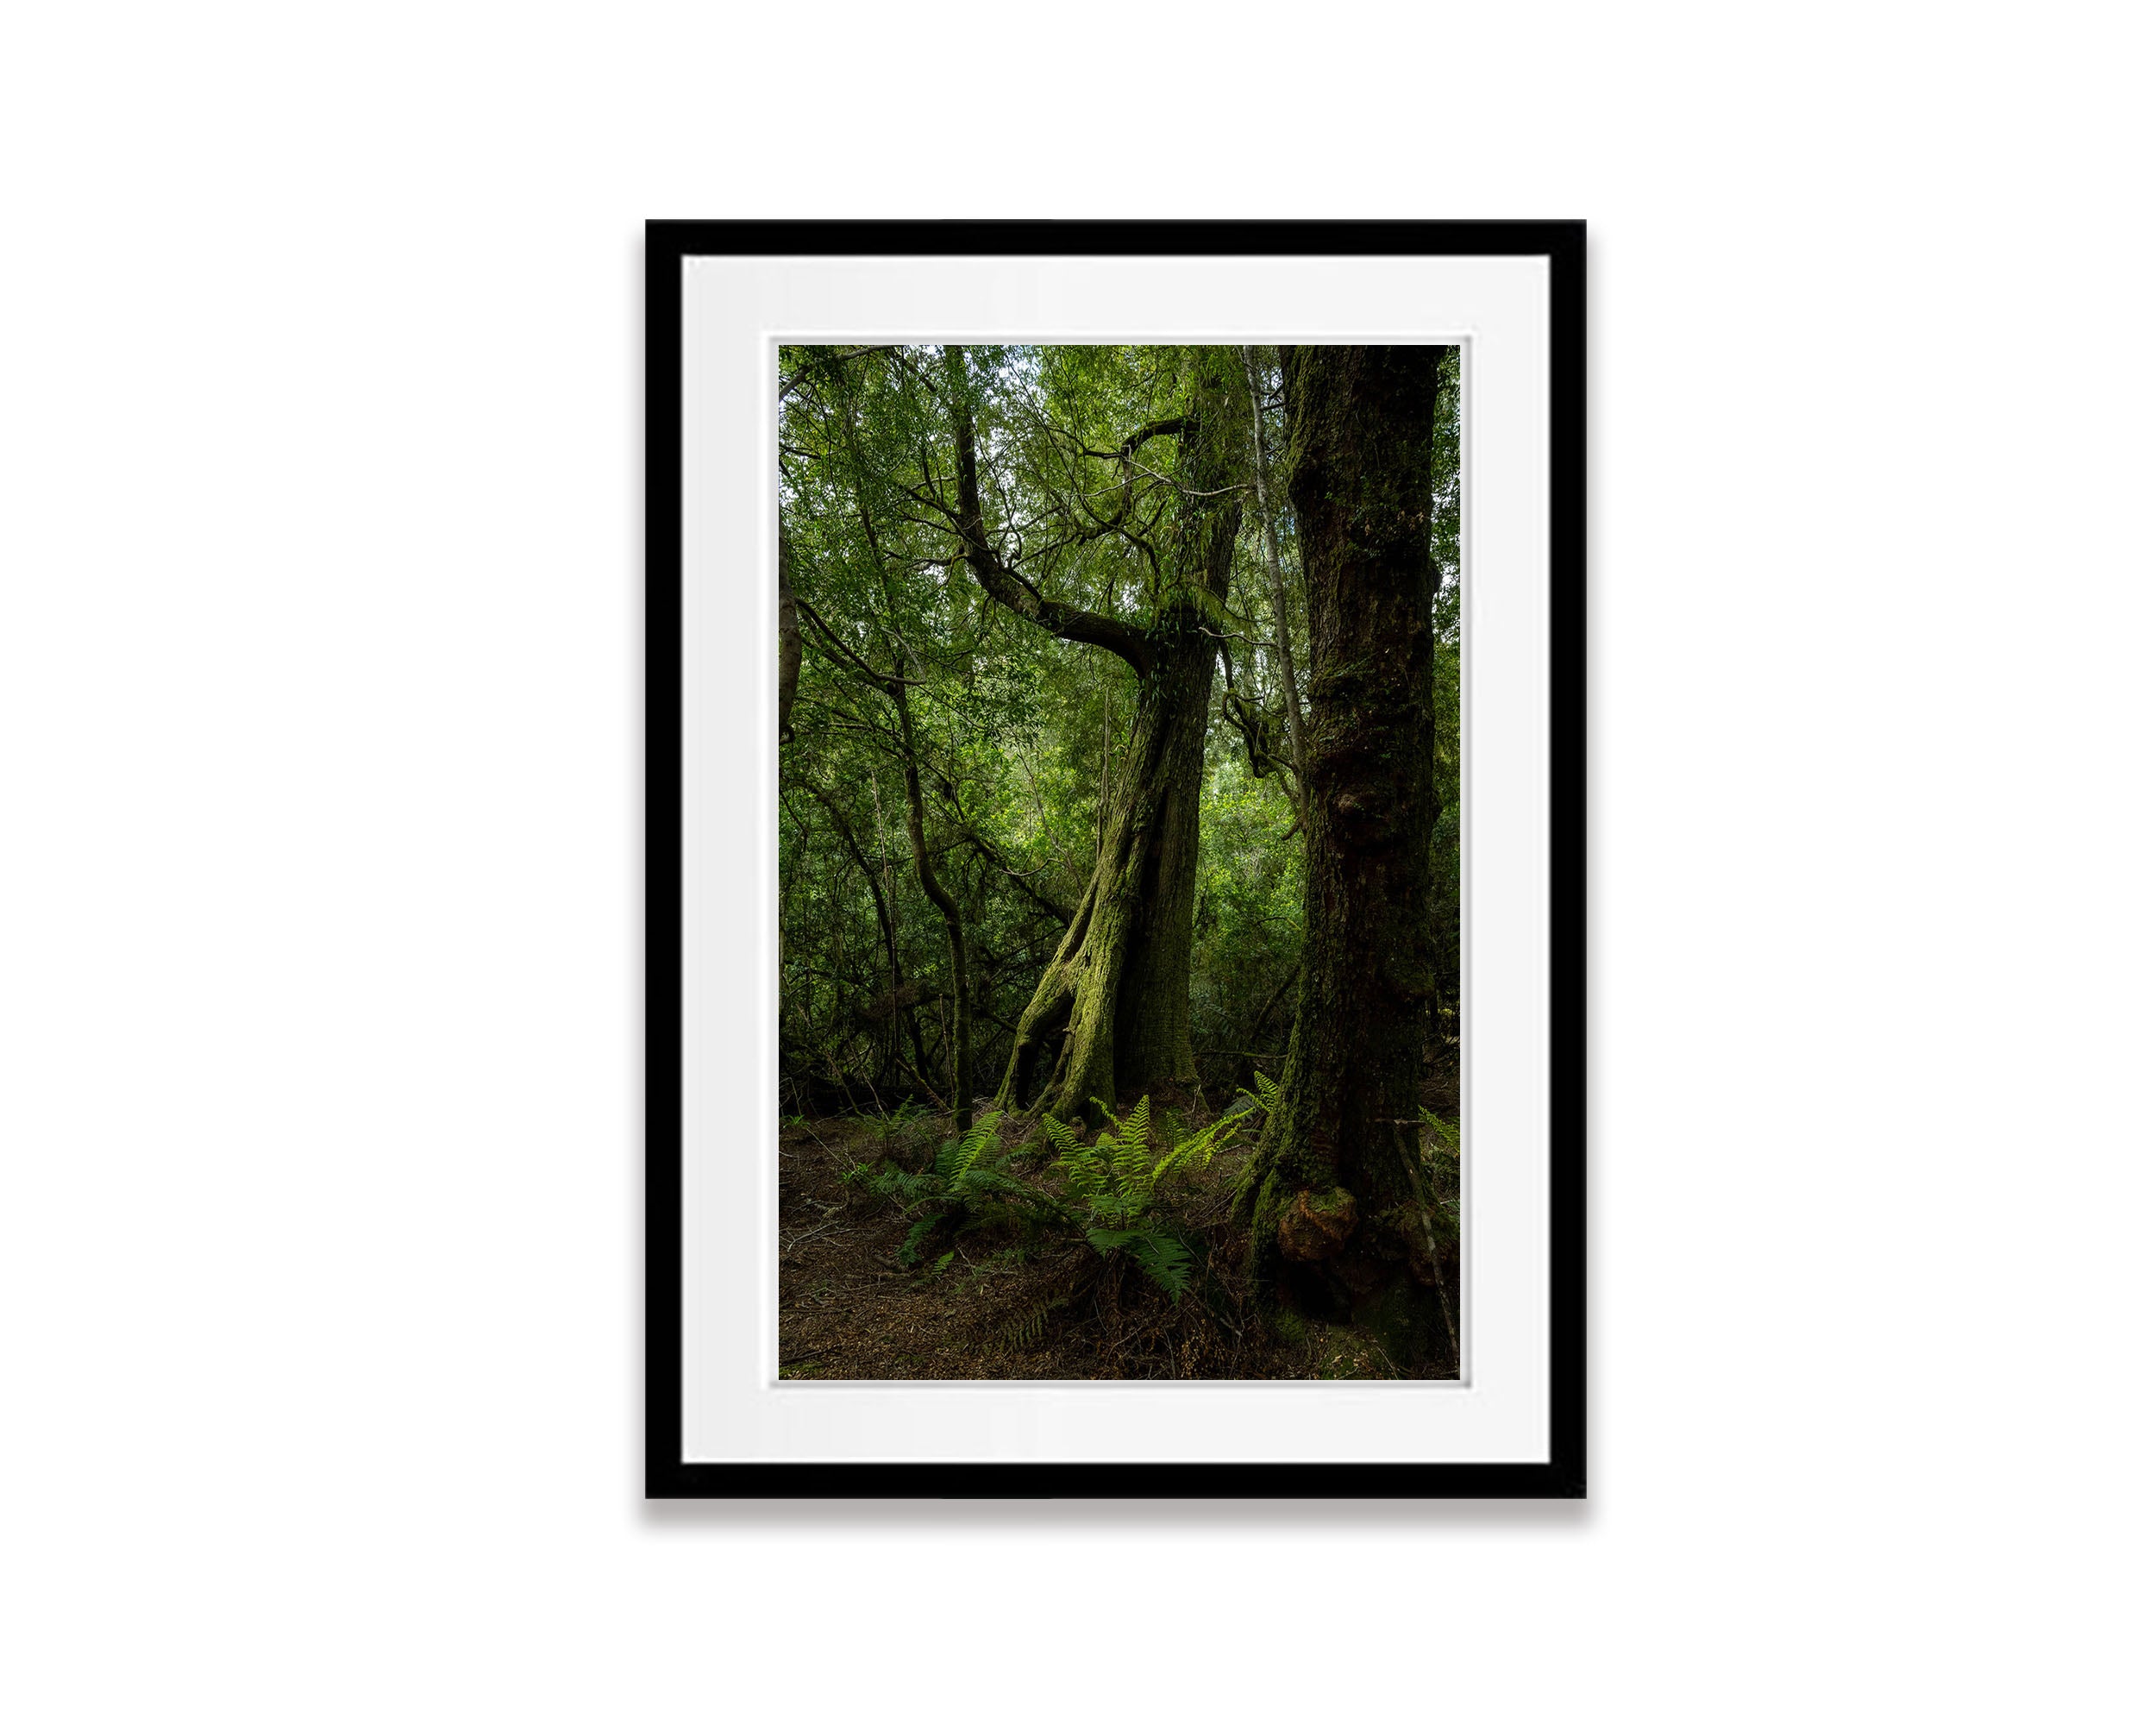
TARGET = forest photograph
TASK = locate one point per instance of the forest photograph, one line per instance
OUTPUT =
(1118, 872)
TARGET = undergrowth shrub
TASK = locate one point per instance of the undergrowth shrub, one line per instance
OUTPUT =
(1260, 1103)
(1441, 1164)
(901, 1131)
(1114, 1186)
(1114, 1196)
(968, 1185)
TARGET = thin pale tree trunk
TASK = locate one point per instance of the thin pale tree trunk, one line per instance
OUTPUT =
(954, 923)
(789, 637)
(1280, 642)
(843, 828)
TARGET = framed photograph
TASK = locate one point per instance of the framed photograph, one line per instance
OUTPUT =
(1117, 859)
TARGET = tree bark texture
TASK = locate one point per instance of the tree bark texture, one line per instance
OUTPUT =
(1341, 1209)
(1111, 1018)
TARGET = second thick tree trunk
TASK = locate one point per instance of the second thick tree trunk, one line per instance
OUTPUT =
(1341, 1209)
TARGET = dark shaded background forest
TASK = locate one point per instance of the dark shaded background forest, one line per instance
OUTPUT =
(1050, 699)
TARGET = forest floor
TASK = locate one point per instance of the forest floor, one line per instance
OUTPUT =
(1003, 1305)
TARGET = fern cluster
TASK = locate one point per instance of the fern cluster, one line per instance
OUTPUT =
(1112, 1191)
(968, 1184)
(1117, 1182)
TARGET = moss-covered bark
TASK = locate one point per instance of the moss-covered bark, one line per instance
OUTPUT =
(1111, 1016)
(1341, 1219)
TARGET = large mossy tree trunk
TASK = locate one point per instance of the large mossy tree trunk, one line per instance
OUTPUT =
(1111, 1016)
(1341, 1211)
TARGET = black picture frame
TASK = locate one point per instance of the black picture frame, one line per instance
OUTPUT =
(667, 1474)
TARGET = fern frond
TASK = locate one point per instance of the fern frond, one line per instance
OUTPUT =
(910, 1251)
(1080, 1166)
(1199, 1147)
(978, 1138)
(1164, 1259)
(907, 1189)
(1446, 1136)
(1025, 1329)
(1135, 1125)
(1265, 1098)
(1132, 1167)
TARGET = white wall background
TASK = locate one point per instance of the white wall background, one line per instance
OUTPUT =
(319, 686)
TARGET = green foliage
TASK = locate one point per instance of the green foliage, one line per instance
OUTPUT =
(960, 1156)
(1198, 1148)
(897, 1122)
(1115, 1185)
(910, 1249)
(1018, 734)
(1155, 1249)
(1445, 1137)
(1112, 1190)
(1028, 1326)
(969, 1185)
(1267, 1094)
(1019, 741)
(1263, 1102)
(896, 1128)
(1441, 1151)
